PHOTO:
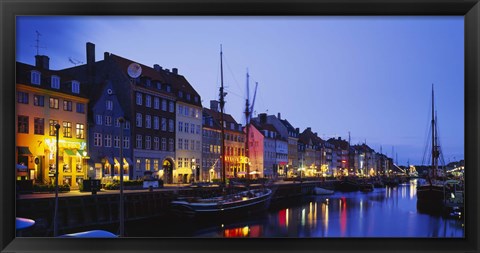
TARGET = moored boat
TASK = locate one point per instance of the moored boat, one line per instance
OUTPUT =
(239, 204)
(322, 191)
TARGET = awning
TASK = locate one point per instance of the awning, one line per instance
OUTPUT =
(109, 159)
(69, 152)
(129, 161)
(24, 151)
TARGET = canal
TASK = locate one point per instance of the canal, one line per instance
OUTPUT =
(385, 212)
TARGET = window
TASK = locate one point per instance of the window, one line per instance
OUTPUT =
(197, 145)
(186, 110)
(97, 139)
(127, 124)
(52, 124)
(180, 94)
(139, 120)
(67, 129)
(148, 121)
(117, 122)
(35, 77)
(80, 133)
(139, 141)
(137, 165)
(38, 100)
(169, 89)
(180, 126)
(80, 108)
(116, 141)
(164, 124)
(147, 164)
(180, 162)
(55, 82)
(195, 99)
(156, 123)
(188, 97)
(22, 97)
(148, 82)
(155, 164)
(54, 103)
(148, 142)
(108, 120)
(39, 126)
(180, 144)
(156, 143)
(109, 105)
(192, 145)
(164, 144)
(126, 142)
(171, 125)
(107, 140)
(23, 124)
(185, 146)
(75, 87)
(159, 85)
(67, 105)
(164, 105)
(192, 129)
(197, 113)
(180, 109)
(139, 98)
(99, 119)
(171, 144)
(148, 101)
(171, 106)
(186, 127)
(156, 103)
(198, 129)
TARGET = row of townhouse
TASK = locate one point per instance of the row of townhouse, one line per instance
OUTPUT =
(154, 117)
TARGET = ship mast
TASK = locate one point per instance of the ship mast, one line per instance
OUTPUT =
(222, 105)
(247, 129)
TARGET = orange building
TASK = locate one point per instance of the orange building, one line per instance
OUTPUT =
(45, 98)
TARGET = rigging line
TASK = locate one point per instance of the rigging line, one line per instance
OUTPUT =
(427, 135)
(231, 72)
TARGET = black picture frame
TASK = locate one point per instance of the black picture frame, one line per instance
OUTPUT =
(9, 9)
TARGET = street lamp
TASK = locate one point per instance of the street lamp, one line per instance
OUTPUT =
(193, 170)
(55, 224)
(121, 211)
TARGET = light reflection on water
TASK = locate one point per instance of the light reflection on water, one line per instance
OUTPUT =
(385, 212)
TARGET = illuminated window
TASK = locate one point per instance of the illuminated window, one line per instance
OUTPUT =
(67, 129)
(147, 164)
(80, 131)
(155, 164)
(52, 129)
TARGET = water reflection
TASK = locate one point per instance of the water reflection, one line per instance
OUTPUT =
(385, 212)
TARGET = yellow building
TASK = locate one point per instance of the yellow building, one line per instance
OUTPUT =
(46, 98)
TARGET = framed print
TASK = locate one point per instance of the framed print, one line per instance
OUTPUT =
(255, 126)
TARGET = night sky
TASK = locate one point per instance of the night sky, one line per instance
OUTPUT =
(370, 76)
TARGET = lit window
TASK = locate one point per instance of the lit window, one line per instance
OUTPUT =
(67, 129)
(80, 131)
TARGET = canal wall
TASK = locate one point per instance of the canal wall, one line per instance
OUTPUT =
(76, 213)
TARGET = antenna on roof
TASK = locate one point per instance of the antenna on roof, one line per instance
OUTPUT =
(74, 61)
(37, 44)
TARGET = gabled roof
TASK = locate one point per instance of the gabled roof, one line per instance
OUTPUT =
(23, 76)
(216, 119)
(342, 144)
(307, 136)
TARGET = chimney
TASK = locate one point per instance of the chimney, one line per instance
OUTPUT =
(157, 67)
(167, 70)
(106, 55)
(279, 116)
(316, 134)
(175, 71)
(42, 62)
(90, 61)
(214, 105)
(263, 118)
(339, 138)
(309, 129)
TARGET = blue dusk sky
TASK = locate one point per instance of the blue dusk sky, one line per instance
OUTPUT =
(370, 76)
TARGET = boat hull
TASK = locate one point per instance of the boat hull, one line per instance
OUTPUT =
(430, 198)
(222, 210)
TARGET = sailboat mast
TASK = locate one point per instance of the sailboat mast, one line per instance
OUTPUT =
(222, 105)
(247, 128)
(433, 135)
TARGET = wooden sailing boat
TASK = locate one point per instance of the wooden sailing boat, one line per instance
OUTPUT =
(431, 196)
(224, 206)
